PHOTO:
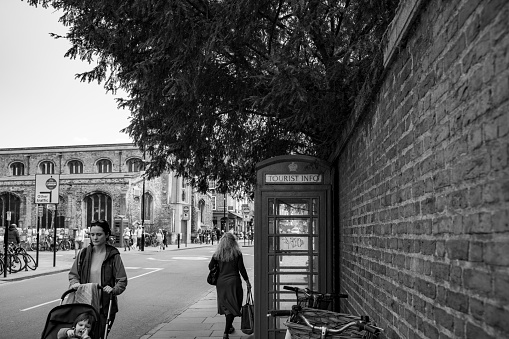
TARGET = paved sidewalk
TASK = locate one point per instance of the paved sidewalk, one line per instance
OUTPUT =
(196, 322)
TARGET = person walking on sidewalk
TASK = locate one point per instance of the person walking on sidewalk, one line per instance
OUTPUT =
(100, 263)
(159, 240)
(229, 286)
(127, 239)
(78, 241)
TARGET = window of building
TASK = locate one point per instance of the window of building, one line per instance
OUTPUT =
(104, 166)
(75, 167)
(214, 206)
(134, 165)
(47, 167)
(183, 190)
(98, 207)
(147, 206)
(18, 168)
(201, 207)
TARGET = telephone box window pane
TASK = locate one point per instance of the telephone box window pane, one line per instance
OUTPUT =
(289, 244)
(292, 226)
(271, 207)
(292, 206)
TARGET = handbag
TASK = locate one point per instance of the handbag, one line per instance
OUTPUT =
(247, 319)
(213, 274)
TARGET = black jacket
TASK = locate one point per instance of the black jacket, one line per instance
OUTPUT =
(13, 235)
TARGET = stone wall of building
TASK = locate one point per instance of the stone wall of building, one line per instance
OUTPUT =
(124, 188)
(423, 180)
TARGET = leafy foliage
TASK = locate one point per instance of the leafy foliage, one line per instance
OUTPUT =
(217, 85)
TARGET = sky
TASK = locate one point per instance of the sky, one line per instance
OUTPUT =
(41, 104)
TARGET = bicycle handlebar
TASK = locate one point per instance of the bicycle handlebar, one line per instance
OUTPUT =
(360, 324)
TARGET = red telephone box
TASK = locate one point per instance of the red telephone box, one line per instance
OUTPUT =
(293, 235)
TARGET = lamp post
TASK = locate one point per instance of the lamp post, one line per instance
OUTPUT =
(142, 243)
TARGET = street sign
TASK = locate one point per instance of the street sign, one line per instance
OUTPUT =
(40, 211)
(245, 209)
(185, 209)
(9, 215)
(46, 188)
(43, 198)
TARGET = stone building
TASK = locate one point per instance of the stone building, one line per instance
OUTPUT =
(95, 182)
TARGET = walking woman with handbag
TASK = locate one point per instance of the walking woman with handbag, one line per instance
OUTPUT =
(229, 286)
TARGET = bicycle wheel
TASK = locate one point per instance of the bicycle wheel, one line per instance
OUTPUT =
(64, 245)
(29, 261)
(16, 263)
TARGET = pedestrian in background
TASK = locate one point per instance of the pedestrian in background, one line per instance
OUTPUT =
(159, 240)
(229, 286)
(100, 263)
(127, 239)
(13, 235)
(165, 238)
(139, 234)
(134, 234)
(78, 241)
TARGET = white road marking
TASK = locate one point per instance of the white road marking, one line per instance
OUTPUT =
(130, 278)
(191, 258)
(160, 259)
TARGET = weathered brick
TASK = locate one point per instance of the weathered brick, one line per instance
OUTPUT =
(495, 253)
(456, 276)
(426, 288)
(476, 332)
(497, 317)
(440, 271)
(457, 249)
(476, 308)
(475, 253)
(444, 318)
(477, 281)
(457, 301)
(501, 287)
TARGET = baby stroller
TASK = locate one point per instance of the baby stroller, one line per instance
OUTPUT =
(64, 315)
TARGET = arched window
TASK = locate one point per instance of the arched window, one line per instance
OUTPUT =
(75, 167)
(98, 206)
(9, 203)
(134, 165)
(47, 167)
(104, 166)
(147, 206)
(18, 168)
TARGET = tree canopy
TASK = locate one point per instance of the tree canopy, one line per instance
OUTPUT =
(216, 86)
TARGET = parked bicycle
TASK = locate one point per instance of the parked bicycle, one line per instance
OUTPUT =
(14, 261)
(311, 319)
(28, 260)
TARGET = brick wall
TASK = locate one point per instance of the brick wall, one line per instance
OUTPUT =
(424, 181)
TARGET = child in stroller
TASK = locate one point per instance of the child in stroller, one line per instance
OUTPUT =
(81, 328)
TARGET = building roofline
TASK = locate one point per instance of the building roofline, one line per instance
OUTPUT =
(63, 149)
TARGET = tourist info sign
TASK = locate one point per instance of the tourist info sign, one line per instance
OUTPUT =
(313, 178)
(46, 188)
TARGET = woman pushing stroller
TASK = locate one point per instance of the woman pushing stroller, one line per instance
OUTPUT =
(100, 263)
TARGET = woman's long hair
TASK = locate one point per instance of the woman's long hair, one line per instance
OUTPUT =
(228, 248)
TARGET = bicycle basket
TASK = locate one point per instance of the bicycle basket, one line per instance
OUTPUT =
(331, 320)
(316, 300)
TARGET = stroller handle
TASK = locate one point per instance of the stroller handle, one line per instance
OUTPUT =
(71, 290)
